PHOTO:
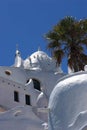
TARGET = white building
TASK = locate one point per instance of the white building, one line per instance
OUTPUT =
(36, 95)
(25, 87)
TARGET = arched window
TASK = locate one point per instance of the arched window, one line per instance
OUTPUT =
(36, 84)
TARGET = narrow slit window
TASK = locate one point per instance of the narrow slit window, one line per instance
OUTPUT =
(27, 100)
(16, 96)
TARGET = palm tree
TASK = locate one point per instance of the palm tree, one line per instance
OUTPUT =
(69, 38)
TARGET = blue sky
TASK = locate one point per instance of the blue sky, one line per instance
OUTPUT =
(24, 22)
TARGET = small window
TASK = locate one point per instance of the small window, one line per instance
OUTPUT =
(16, 96)
(27, 99)
(27, 81)
(36, 84)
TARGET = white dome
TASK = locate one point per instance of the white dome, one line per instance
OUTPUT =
(40, 61)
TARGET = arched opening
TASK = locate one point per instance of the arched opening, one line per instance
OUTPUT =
(36, 84)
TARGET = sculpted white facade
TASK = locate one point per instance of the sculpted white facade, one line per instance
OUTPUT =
(24, 88)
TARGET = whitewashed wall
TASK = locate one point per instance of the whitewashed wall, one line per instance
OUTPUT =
(7, 89)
